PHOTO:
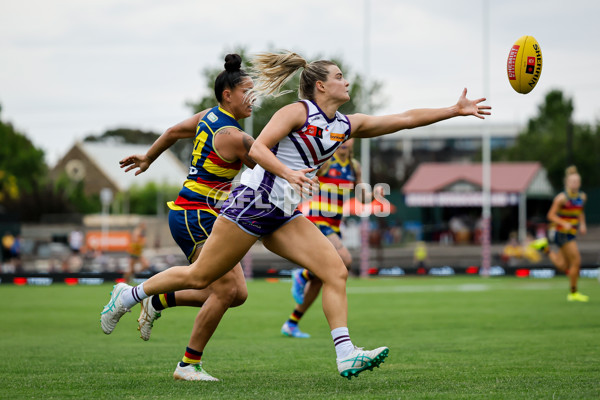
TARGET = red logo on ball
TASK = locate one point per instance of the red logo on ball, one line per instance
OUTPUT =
(530, 65)
(512, 58)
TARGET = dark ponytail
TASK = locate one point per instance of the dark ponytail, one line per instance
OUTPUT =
(231, 76)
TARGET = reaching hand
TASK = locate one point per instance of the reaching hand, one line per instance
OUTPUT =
(302, 184)
(566, 226)
(136, 161)
(472, 107)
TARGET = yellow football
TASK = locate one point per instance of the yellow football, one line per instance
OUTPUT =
(524, 65)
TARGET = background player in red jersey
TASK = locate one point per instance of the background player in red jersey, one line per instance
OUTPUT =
(567, 218)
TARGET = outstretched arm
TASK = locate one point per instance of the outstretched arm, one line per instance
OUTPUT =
(284, 121)
(366, 126)
(582, 224)
(183, 130)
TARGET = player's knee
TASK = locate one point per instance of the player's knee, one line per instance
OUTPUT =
(574, 261)
(340, 272)
(194, 277)
(241, 295)
(231, 294)
(197, 282)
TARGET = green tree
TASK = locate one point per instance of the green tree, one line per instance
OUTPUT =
(74, 194)
(25, 190)
(554, 140)
(20, 160)
(9, 189)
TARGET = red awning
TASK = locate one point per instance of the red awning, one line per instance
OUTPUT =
(506, 177)
(460, 185)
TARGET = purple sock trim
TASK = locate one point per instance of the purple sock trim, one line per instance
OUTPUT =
(134, 294)
(341, 339)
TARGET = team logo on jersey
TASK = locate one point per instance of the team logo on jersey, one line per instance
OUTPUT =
(338, 137)
(576, 202)
(315, 131)
(212, 117)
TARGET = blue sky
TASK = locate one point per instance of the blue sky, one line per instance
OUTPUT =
(71, 68)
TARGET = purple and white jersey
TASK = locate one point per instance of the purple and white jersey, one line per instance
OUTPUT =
(308, 147)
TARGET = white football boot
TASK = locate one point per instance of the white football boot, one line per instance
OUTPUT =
(114, 310)
(360, 360)
(148, 315)
(192, 372)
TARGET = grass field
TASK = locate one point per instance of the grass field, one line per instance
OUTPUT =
(449, 338)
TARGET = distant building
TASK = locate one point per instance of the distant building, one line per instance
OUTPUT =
(97, 165)
(455, 190)
(395, 156)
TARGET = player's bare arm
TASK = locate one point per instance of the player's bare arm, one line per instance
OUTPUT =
(247, 142)
(184, 130)
(233, 144)
(582, 223)
(366, 126)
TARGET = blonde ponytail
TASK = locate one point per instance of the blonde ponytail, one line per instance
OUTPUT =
(271, 71)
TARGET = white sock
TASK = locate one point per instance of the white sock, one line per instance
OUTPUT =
(131, 296)
(342, 342)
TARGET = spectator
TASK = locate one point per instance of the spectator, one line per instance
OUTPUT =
(512, 251)
(15, 254)
(529, 252)
(420, 257)
(136, 248)
(76, 241)
(7, 242)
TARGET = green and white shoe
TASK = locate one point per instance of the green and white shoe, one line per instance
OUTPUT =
(148, 315)
(114, 310)
(360, 360)
(192, 372)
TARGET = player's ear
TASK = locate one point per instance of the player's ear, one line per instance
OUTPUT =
(320, 86)
(227, 95)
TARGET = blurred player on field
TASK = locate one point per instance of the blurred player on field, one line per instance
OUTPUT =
(567, 217)
(136, 250)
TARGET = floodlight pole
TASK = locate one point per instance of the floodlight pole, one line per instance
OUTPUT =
(365, 153)
(486, 152)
